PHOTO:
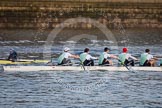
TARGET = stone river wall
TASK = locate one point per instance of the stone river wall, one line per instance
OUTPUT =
(49, 13)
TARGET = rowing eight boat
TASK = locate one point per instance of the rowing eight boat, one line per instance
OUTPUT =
(75, 68)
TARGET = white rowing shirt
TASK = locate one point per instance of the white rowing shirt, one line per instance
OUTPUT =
(89, 57)
(149, 56)
(67, 55)
(129, 56)
(106, 55)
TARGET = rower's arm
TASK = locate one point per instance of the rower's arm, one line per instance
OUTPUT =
(113, 56)
(94, 58)
(74, 56)
(134, 58)
(154, 58)
(151, 57)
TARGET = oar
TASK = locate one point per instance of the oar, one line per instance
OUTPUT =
(67, 64)
(82, 64)
(125, 65)
(15, 61)
(3, 59)
(12, 61)
(109, 64)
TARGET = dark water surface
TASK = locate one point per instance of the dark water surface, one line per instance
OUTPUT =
(62, 89)
(79, 89)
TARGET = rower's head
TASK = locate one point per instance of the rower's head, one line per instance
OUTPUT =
(86, 50)
(106, 49)
(125, 50)
(147, 50)
(66, 49)
(12, 50)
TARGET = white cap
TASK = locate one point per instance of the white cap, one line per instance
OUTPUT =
(66, 49)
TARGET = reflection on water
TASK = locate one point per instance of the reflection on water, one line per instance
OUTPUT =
(42, 89)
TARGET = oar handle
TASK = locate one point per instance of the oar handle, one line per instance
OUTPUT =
(124, 64)
(3, 59)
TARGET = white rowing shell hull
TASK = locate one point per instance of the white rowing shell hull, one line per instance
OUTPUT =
(77, 68)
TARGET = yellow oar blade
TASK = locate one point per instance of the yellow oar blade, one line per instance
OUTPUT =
(23, 61)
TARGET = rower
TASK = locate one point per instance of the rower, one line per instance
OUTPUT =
(125, 56)
(13, 55)
(103, 59)
(147, 59)
(86, 58)
(64, 57)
